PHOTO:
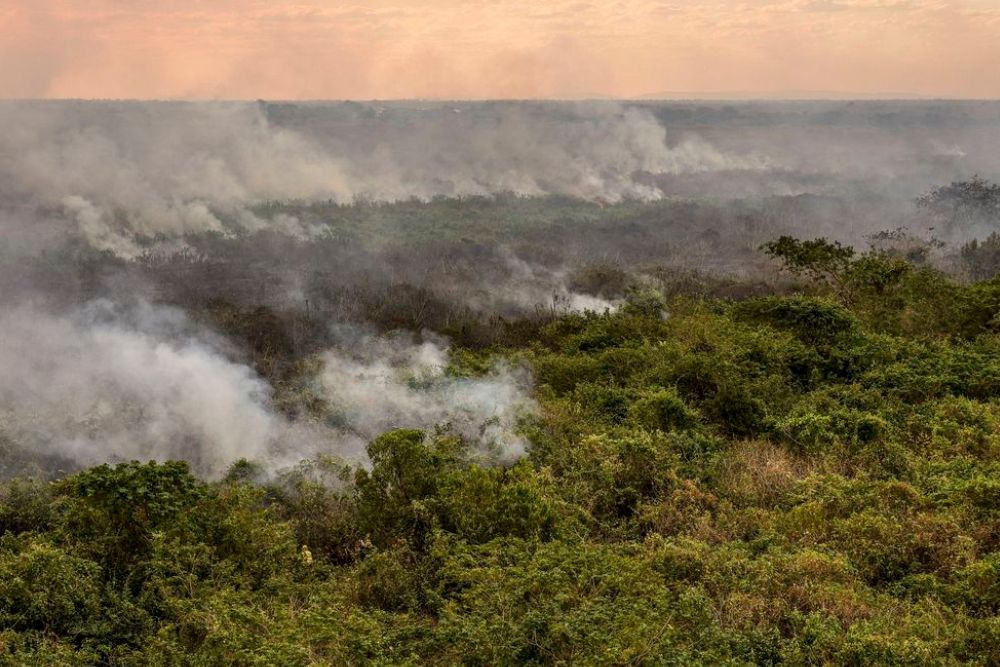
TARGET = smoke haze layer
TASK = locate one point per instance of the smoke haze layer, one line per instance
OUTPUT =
(177, 279)
(131, 170)
(122, 174)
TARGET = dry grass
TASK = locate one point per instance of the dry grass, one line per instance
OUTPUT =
(758, 473)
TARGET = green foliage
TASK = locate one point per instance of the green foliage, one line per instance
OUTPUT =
(663, 409)
(812, 320)
(794, 479)
(982, 258)
(817, 259)
(44, 588)
(392, 498)
(644, 302)
(876, 273)
(25, 505)
(481, 504)
(118, 508)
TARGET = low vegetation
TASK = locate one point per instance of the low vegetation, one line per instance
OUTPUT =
(804, 477)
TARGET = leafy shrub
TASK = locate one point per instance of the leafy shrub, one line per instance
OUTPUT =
(118, 508)
(664, 410)
(814, 321)
(44, 588)
(392, 498)
(25, 505)
(979, 584)
(480, 504)
(737, 411)
(818, 259)
(645, 303)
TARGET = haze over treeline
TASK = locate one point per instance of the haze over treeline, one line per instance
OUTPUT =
(130, 173)
(135, 225)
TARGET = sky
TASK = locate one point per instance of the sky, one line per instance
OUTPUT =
(388, 49)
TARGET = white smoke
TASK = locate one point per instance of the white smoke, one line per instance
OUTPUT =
(131, 172)
(530, 286)
(103, 384)
(381, 383)
(695, 155)
(108, 383)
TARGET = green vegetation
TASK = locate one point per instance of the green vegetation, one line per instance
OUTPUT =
(803, 479)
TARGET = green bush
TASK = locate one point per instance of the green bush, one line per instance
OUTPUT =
(814, 321)
(44, 588)
(787, 479)
(664, 410)
(25, 505)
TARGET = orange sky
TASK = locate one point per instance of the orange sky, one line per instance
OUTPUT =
(310, 49)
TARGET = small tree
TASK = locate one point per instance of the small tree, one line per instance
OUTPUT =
(120, 507)
(395, 498)
(963, 203)
(982, 258)
(819, 260)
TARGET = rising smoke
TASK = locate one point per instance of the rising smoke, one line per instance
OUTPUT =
(108, 382)
(105, 383)
(122, 172)
(380, 383)
(148, 245)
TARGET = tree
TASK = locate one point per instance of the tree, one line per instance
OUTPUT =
(817, 259)
(963, 203)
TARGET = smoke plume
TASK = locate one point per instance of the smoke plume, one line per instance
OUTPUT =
(379, 383)
(122, 172)
(107, 382)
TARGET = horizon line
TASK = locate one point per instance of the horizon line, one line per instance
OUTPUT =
(664, 97)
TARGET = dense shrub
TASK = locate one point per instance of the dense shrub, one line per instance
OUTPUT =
(814, 321)
(787, 479)
(44, 588)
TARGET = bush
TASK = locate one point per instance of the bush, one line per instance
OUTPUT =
(118, 508)
(44, 588)
(664, 410)
(392, 498)
(818, 259)
(481, 504)
(25, 505)
(737, 411)
(814, 321)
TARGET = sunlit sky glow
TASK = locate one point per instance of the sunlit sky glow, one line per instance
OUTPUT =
(323, 49)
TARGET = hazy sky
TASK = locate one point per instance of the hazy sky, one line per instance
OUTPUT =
(496, 48)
